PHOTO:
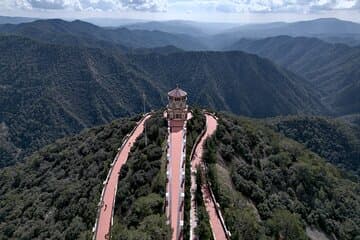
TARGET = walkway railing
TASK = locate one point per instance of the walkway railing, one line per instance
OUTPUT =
(169, 188)
(193, 171)
(180, 221)
(208, 185)
(105, 183)
(168, 177)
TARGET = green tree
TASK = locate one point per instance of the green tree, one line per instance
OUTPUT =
(285, 225)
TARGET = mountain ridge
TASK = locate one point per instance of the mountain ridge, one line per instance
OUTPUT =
(63, 32)
(333, 68)
(63, 181)
(64, 89)
(323, 28)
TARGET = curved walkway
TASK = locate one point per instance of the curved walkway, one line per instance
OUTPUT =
(104, 221)
(217, 228)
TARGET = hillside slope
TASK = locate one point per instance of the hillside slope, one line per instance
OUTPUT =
(54, 194)
(259, 177)
(86, 34)
(271, 187)
(233, 81)
(139, 210)
(333, 68)
(48, 91)
(329, 29)
(334, 140)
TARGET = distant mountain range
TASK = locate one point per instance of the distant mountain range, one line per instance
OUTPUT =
(58, 77)
(302, 28)
(232, 81)
(86, 34)
(48, 91)
(331, 29)
(15, 20)
(333, 68)
(220, 35)
(197, 29)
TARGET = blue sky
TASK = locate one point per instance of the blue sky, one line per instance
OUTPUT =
(243, 11)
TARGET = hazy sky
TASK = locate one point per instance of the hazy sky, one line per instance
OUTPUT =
(200, 10)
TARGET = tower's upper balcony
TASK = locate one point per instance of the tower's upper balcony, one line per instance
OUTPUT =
(177, 108)
(177, 99)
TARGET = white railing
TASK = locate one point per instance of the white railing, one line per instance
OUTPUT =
(182, 187)
(193, 171)
(217, 205)
(105, 183)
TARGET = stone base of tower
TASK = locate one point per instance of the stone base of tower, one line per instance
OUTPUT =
(176, 123)
(177, 114)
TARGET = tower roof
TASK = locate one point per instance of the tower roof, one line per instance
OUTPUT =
(177, 92)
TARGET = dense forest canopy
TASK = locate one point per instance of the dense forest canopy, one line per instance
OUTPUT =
(258, 176)
(55, 192)
(275, 178)
(334, 140)
(332, 68)
(139, 210)
(270, 186)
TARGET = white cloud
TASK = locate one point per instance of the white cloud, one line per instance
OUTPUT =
(92, 5)
(259, 6)
(295, 5)
(184, 6)
(47, 4)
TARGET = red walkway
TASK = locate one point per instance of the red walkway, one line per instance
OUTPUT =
(176, 181)
(215, 222)
(106, 211)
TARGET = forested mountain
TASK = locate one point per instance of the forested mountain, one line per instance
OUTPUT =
(259, 177)
(48, 91)
(333, 68)
(334, 140)
(233, 81)
(86, 34)
(197, 29)
(270, 187)
(139, 210)
(348, 39)
(54, 194)
(178, 27)
(15, 20)
(274, 178)
(352, 119)
(332, 29)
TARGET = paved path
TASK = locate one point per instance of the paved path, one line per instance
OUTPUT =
(215, 222)
(106, 211)
(176, 184)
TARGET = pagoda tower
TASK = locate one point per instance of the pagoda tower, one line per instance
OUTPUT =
(177, 108)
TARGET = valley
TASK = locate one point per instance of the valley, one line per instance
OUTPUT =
(73, 88)
(332, 68)
(264, 144)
